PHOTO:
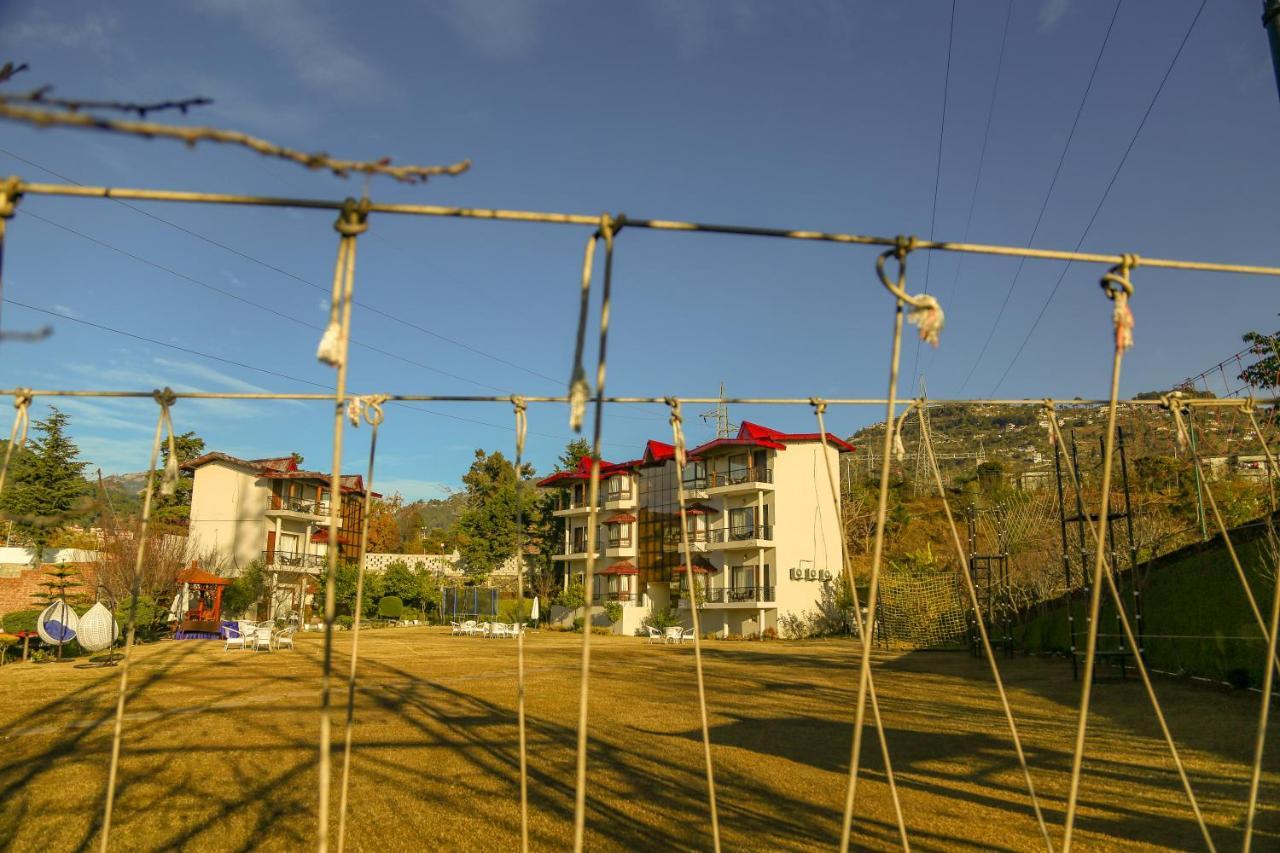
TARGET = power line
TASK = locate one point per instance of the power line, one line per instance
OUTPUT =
(240, 364)
(1044, 206)
(294, 276)
(982, 153)
(1106, 193)
(937, 176)
(230, 295)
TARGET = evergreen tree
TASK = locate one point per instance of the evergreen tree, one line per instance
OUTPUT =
(47, 488)
(573, 452)
(487, 528)
(1265, 372)
(176, 508)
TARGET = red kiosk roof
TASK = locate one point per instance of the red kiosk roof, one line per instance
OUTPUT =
(195, 575)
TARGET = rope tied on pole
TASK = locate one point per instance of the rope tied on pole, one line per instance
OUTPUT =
(899, 448)
(10, 195)
(579, 387)
(521, 407)
(367, 407)
(353, 220)
(924, 311)
(1118, 288)
(165, 398)
(820, 409)
(1051, 416)
(18, 434)
(1174, 404)
(686, 554)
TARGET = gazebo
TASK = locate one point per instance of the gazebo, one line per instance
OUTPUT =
(197, 606)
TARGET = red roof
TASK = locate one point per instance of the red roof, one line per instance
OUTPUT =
(277, 468)
(583, 471)
(194, 575)
(619, 569)
(700, 509)
(620, 518)
(755, 435)
(657, 451)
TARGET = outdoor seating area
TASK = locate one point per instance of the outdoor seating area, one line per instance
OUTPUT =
(258, 636)
(674, 634)
(492, 630)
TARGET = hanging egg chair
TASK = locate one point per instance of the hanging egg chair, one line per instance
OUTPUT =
(98, 629)
(58, 623)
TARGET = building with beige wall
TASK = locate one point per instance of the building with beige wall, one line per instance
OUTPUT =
(271, 510)
(764, 529)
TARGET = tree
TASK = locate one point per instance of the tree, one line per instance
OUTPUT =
(1265, 372)
(175, 509)
(487, 528)
(47, 488)
(400, 581)
(384, 530)
(573, 453)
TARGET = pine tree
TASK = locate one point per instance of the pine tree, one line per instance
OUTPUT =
(176, 508)
(47, 488)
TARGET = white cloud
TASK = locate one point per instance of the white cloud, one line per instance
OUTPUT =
(1053, 11)
(63, 309)
(95, 31)
(496, 27)
(299, 35)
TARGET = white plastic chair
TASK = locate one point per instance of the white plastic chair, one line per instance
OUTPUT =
(246, 631)
(262, 638)
(655, 634)
(457, 628)
(470, 628)
(675, 635)
(499, 630)
(235, 641)
(285, 638)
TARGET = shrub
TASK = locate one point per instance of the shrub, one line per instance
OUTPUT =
(412, 613)
(20, 620)
(390, 607)
(7, 642)
(613, 611)
(577, 623)
(601, 630)
(573, 597)
(345, 621)
(770, 634)
(151, 618)
(245, 590)
(663, 619)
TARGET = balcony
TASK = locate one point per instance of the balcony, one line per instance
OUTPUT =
(286, 561)
(568, 506)
(617, 498)
(748, 479)
(697, 541)
(743, 536)
(575, 550)
(622, 597)
(732, 596)
(289, 507)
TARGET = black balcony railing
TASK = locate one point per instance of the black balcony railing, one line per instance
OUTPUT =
(300, 505)
(730, 595)
(621, 597)
(741, 533)
(621, 542)
(290, 560)
(695, 484)
(737, 476)
(695, 536)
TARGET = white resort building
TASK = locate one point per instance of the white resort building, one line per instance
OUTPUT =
(270, 510)
(764, 529)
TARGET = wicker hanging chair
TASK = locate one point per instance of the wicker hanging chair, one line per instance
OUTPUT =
(98, 629)
(58, 623)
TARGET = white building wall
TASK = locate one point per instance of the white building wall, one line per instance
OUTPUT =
(807, 528)
(228, 508)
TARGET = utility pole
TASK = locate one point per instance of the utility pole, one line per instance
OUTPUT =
(1271, 20)
(720, 414)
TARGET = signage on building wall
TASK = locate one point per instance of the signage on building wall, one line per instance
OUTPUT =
(811, 574)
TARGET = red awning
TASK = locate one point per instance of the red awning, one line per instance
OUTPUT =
(321, 535)
(619, 569)
(698, 569)
(700, 509)
(620, 518)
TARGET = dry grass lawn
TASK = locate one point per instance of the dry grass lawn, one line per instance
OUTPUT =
(219, 750)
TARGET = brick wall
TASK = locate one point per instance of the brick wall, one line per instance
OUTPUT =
(19, 585)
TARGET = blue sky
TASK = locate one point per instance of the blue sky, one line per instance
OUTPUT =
(820, 115)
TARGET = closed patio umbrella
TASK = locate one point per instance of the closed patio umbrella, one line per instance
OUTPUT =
(534, 612)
